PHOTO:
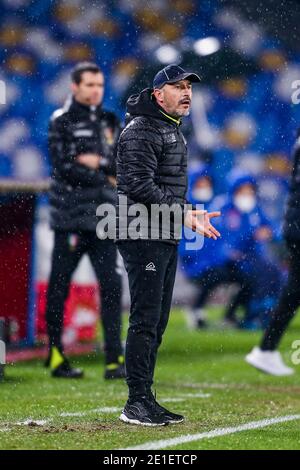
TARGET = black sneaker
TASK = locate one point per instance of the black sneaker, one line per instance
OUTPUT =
(60, 366)
(172, 418)
(66, 371)
(142, 411)
(117, 372)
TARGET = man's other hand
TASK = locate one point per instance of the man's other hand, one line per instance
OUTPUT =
(112, 180)
(91, 160)
(199, 221)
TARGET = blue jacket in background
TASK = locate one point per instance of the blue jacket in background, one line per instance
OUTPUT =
(237, 243)
(194, 262)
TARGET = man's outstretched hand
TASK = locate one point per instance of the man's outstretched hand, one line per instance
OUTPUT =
(199, 221)
(91, 160)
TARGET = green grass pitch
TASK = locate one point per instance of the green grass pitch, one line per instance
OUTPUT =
(200, 374)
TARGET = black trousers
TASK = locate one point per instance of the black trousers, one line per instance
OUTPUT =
(218, 275)
(68, 250)
(151, 268)
(288, 303)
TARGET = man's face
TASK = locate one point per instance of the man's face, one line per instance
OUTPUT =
(175, 98)
(90, 90)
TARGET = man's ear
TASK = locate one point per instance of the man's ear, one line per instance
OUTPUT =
(73, 87)
(158, 94)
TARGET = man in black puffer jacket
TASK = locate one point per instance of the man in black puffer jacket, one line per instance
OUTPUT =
(82, 144)
(151, 174)
(266, 357)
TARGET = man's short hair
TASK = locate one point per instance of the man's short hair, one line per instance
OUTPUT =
(79, 69)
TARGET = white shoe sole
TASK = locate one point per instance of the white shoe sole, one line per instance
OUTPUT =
(265, 369)
(176, 422)
(127, 420)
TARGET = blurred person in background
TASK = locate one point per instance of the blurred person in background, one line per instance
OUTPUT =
(82, 143)
(240, 257)
(266, 357)
(194, 263)
(249, 234)
(208, 269)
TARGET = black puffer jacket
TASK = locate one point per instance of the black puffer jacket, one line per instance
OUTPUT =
(292, 217)
(151, 164)
(76, 191)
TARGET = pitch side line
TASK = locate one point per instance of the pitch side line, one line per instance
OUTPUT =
(163, 444)
(104, 410)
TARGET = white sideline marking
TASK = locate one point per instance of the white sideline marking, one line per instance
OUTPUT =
(106, 409)
(196, 395)
(32, 422)
(113, 409)
(184, 396)
(163, 444)
(43, 422)
(96, 410)
(171, 400)
(27, 422)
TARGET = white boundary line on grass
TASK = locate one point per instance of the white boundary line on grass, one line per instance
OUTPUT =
(85, 413)
(44, 422)
(33, 422)
(104, 410)
(163, 444)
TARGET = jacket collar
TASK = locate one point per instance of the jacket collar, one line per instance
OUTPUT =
(144, 104)
(83, 108)
(170, 118)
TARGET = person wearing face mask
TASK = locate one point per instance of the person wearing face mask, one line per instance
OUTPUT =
(200, 185)
(240, 257)
(208, 269)
(249, 232)
(194, 263)
(245, 200)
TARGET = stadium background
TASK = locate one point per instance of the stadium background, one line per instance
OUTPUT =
(242, 114)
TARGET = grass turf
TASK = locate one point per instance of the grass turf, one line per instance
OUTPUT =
(190, 364)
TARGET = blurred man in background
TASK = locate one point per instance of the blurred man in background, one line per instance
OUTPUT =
(82, 141)
(266, 357)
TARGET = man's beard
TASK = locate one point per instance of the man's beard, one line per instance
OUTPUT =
(186, 113)
(182, 113)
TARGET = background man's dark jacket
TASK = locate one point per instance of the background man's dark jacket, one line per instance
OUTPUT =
(76, 191)
(151, 160)
(292, 218)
